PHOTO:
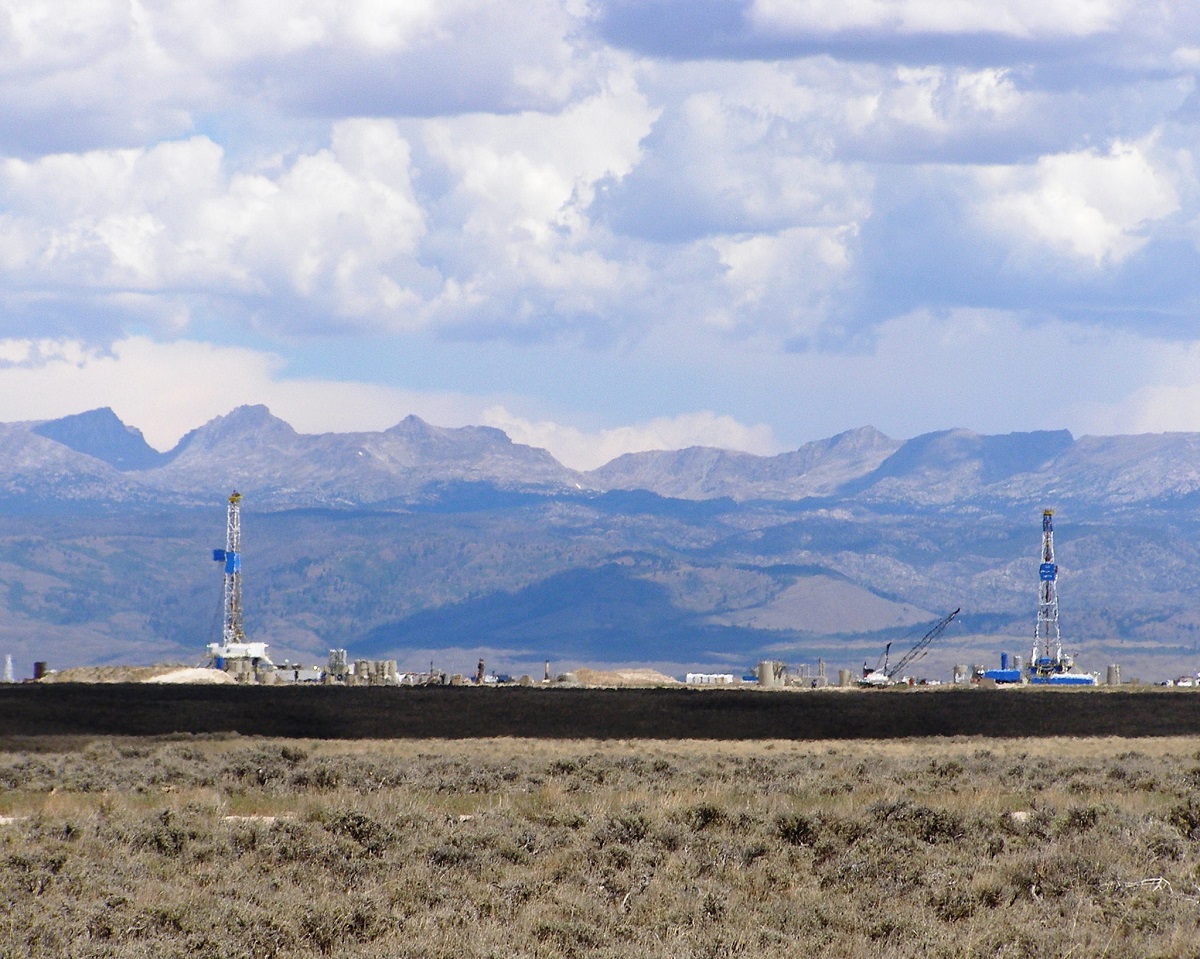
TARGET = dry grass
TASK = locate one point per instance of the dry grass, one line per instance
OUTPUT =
(236, 846)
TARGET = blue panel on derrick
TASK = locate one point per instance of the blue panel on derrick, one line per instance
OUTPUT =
(218, 555)
(1048, 572)
(233, 562)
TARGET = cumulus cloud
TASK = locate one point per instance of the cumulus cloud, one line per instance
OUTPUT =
(420, 59)
(783, 282)
(740, 149)
(337, 226)
(1020, 18)
(1092, 206)
(76, 31)
(1095, 235)
(914, 32)
(516, 212)
(778, 183)
(732, 195)
(499, 236)
(101, 73)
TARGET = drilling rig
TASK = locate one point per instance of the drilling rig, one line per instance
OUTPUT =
(233, 654)
(1048, 664)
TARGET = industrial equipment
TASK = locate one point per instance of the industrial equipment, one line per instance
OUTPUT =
(885, 674)
(1009, 672)
(1049, 665)
(233, 653)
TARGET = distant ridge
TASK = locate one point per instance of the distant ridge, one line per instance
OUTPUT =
(815, 469)
(263, 456)
(101, 434)
(955, 464)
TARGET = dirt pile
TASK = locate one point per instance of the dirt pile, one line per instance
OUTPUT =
(624, 677)
(171, 673)
(193, 674)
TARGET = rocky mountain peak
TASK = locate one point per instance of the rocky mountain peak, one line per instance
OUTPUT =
(245, 424)
(411, 425)
(101, 434)
(862, 438)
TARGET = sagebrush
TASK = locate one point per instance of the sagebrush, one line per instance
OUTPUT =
(235, 846)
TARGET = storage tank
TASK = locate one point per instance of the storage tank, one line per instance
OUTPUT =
(770, 674)
(1113, 678)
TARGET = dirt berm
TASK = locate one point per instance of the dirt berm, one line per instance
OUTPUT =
(136, 709)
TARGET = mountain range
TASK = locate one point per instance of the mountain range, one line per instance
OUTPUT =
(420, 542)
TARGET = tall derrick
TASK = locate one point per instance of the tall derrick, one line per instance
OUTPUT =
(232, 631)
(233, 653)
(1047, 654)
(1049, 664)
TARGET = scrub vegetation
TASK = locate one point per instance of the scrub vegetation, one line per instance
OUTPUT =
(229, 846)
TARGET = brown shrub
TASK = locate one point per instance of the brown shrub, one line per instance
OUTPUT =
(533, 848)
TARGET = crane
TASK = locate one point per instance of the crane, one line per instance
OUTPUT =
(885, 675)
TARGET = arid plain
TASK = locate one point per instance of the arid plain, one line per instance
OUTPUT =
(227, 846)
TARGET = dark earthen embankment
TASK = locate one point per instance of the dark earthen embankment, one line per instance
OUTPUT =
(455, 713)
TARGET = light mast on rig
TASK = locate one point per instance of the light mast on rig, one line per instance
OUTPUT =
(233, 653)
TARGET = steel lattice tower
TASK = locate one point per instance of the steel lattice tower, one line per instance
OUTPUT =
(232, 631)
(1047, 642)
(233, 653)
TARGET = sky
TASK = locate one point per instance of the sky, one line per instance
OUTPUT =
(603, 225)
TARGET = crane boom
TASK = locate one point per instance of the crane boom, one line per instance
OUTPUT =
(922, 645)
(884, 674)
